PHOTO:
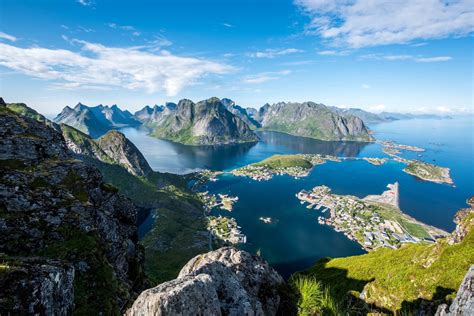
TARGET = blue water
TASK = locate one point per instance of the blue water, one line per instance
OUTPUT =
(295, 240)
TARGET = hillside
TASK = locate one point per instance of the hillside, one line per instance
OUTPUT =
(313, 120)
(68, 241)
(414, 278)
(207, 122)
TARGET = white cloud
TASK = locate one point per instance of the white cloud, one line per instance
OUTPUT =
(418, 59)
(377, 108)
(266, 76)
(365, 86)
(333, 52)
(444, 109)
(85, 3)
(121, 27)
(360, 23)
(272, 53)
(227, 25)
(7, 37)
(97, 65)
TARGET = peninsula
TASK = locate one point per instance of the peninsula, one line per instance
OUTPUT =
(374, 221)
(298, 165)
(226, 229)
(426, 171)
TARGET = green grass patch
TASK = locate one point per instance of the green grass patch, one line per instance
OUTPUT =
(285, 161)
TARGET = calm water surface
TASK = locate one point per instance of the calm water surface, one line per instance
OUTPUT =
(295, 240)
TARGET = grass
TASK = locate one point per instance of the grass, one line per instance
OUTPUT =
(399, 280)
(285, 161)
(312, 297)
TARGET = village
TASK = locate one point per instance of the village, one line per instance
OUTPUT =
(373, 222)
(223, 201)
(226, 229)
(297, 166)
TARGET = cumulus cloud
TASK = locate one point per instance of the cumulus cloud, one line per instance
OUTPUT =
(360, 23)
(266, 76)
(97, 65)
(377, 108)
(272, 53)
(7, 37)
(418, 59)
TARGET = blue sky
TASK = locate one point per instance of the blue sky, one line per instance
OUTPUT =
(403, 56)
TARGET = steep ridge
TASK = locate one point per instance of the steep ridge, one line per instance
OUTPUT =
(241, 113)
(68, 241)
(207, 122)
(313, 120)
(95, 121)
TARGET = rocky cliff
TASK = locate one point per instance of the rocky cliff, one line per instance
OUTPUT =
(95, 121)
(113, 148)
(68, 241)
(226, 281)
(207, 122)
(241, 113)
(313, 120)
(463, 303)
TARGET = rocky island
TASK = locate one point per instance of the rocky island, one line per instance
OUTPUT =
(226, 229)
(299, 165)
(374, 221)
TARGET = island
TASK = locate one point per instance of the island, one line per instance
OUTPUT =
(392, 149)
(426, 171)
(374, 221)
(298, 165)
(376, 161)
(266, 220)
(223, 201)
(226, 229)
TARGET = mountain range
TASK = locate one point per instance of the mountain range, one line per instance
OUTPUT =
(96, 121)
(69, 245)
(219, 122)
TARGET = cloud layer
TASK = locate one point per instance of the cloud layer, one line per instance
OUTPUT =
(266, 76)
(272, 53)
(98, 66)
(360, 23)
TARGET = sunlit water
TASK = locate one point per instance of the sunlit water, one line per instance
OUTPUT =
(295, 240)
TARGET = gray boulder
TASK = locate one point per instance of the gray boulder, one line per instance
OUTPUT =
(226, 281)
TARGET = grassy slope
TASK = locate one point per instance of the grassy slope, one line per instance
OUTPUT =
(400, 280)
(172, 242)
(285, 161)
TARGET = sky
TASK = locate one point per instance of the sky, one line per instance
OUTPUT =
(384, 55)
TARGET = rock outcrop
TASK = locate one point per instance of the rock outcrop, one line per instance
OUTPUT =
(241, 113)
(113, 148)
(207, 122)
(313, 120)
(124, 152)
(463, 304)
(60, 224)
(226, 281)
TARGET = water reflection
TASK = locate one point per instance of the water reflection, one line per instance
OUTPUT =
(309, 146)
(166, 156)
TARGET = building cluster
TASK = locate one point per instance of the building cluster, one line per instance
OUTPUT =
(359, 220)
(226, 229)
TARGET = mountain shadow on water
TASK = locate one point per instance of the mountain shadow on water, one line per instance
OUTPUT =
(307, 145)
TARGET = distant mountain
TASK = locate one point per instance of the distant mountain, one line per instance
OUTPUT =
(240, 112)
(96, 121)
(204, 123)
(152, 116)
(375, 118)
(367, 117)
(313, 120)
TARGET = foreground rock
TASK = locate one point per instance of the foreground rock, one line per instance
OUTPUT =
(222, 282)
(463, 304)
(67, 240)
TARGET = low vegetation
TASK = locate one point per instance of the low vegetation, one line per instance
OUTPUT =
(401, 280)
